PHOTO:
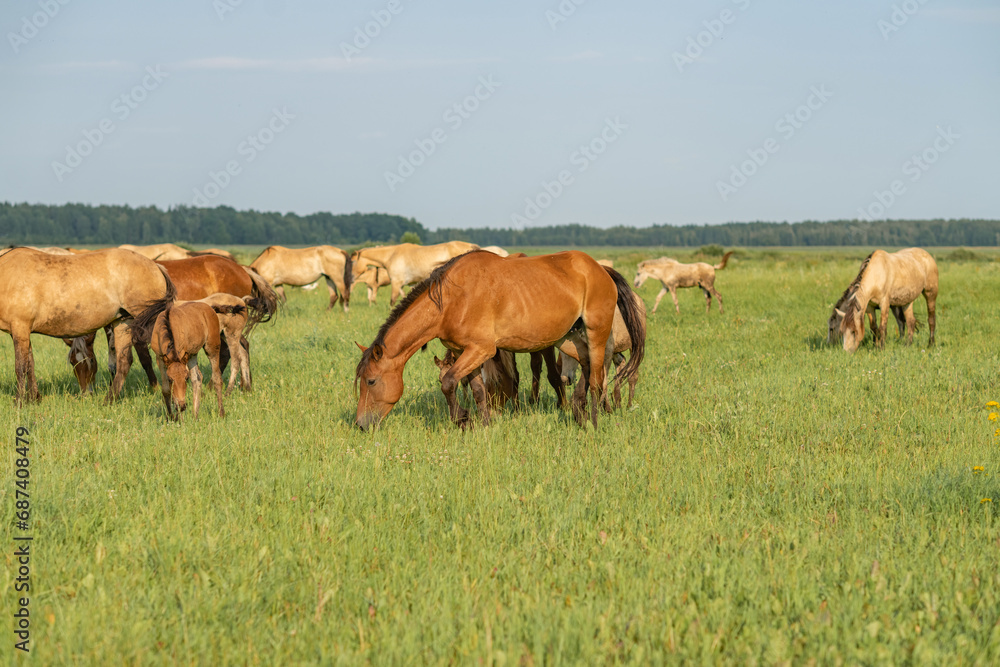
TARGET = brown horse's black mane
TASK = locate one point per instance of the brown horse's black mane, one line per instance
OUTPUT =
(431, 286)
(169, 349)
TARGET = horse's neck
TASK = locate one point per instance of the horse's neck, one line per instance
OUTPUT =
(416, 326)
(377, 255)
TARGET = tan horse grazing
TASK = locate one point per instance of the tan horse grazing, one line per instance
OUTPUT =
(178, 334)
(622, 342)
(373, 278)
(159, 252)
(66, 296)
(886, 280)
(286, 266)
(672, 274)
(233, 317)
(833, 324)
(477, 303)
(408, 263)
(499, 375)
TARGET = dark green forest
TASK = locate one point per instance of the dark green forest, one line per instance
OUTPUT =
(81, 224)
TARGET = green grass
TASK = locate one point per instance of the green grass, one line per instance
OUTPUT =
(770, 499)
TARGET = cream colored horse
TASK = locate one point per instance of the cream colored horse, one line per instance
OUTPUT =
(672, 274)
(160, 252)
(373, 278)
(407, 263)
(887, 280)
(286, 266)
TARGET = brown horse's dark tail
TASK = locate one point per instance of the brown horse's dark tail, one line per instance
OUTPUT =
(635, 324)
(348, 276)
(142, 324)
(264, 302)
(725, 258)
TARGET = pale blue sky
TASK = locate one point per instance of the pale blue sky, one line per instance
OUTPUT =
(672, 131)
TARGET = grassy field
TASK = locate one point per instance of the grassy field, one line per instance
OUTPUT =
(770, 499)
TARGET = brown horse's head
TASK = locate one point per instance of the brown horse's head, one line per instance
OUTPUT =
(380, 381)
(177, 371)
(852, 326)
(83, 361)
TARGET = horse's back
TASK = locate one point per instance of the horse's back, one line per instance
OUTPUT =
(198, 277)
(70, 295)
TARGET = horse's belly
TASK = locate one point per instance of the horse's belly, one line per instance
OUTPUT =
(903, 297)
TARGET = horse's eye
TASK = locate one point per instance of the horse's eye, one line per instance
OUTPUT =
(371, 382)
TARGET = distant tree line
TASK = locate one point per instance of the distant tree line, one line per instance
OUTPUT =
(39, 224)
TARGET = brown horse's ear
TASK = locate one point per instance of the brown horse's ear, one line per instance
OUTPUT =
(377, 352)
(361, 347)
(438, 362)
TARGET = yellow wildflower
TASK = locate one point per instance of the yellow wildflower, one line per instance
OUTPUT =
(985, 500)
(977, 469)
(993, 417)
(993, 404)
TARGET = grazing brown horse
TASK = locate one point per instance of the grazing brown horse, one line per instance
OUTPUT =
(887, 280)
(479, 302)
(158, 252)
(286, 266)
(178, 334)
(407, 263)
(499, 375)
(672, 274)
(67, 296)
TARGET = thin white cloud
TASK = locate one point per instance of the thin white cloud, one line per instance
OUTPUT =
(328, 64)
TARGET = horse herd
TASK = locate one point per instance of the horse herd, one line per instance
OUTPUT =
(564, 309)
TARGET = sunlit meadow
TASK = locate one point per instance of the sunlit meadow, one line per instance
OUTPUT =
(769, 499)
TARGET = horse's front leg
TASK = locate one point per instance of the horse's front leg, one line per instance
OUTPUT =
(910, 321)
(194, 375)
(883, 324)
(142, 351)
(536, 376)
(673, 295)
(480, 394)
(123, 362)
(470, 359)
(24, 366)
(659, 297)
(165, 386)
(554, 375)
